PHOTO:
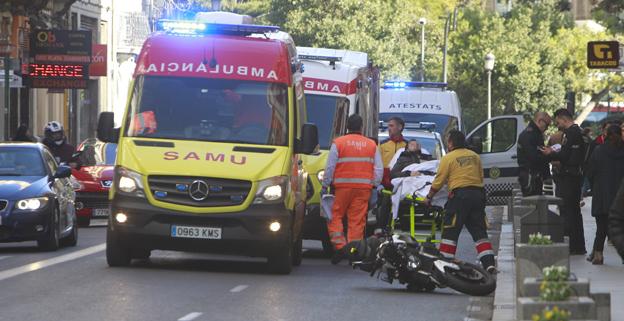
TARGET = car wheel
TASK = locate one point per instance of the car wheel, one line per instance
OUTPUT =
(117, 251)
(297, 256)
(141, 254)
(51, 242)
(84, 221)
(281, 259)
(72, 238)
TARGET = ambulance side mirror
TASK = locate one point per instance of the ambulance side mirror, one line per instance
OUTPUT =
(106, 130)
(309, 139)
(475, 143)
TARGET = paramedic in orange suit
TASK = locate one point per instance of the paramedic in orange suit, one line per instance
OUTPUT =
(353, 168)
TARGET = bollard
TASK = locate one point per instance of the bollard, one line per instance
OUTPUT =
(541, 220)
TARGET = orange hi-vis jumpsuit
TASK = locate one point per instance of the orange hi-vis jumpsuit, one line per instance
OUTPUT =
(354, 166)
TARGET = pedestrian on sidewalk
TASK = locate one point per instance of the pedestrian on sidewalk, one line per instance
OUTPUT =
(532, 163)
(353, 168)
(605, 172)
(571, 156)
(462, 171)
(616, 221)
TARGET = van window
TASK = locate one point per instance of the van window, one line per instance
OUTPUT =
(328, 114)
(503, 135)
(444, 123)
(215, 110)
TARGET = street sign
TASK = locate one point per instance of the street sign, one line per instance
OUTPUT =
(56, 44)
(603, 54)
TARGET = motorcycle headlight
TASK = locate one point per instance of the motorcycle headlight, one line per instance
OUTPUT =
(31, 204)
(320, 175)
(271, 190)
(129, 182)
(76, 185)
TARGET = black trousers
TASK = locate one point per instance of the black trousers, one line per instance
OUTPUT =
(602, 226)
(466, 207)
(530, 183)
(570, 192)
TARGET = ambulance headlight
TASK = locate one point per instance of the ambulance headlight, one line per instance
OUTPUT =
(271, 190)
(129, 182)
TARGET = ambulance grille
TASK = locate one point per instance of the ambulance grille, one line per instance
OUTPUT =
(220, 192)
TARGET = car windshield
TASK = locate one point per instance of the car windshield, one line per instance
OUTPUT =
(209, 109)
(19, 161)
(328, 113)
(443, 123)
(96, 153)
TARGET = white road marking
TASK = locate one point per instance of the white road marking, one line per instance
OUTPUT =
(239, 288)
(190, 316)
(52, 261)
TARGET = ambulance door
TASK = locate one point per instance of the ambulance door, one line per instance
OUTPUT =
(498, 152)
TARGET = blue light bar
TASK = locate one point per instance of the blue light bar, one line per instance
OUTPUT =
(413, 84)
(201, 28)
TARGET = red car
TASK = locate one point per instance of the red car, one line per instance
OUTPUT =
(93, 179)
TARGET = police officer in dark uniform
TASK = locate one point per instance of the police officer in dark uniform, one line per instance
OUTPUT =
(532, 163)
(571, 156)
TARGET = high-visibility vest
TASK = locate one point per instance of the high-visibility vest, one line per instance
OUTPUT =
(144, 123)
(355, 167)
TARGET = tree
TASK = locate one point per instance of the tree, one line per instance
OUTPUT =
(610, 13)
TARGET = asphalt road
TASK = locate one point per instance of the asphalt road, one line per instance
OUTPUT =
(77, 284)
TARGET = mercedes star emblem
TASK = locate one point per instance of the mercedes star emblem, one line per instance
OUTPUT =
(198, 190)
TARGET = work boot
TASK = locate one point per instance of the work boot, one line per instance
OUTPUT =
(338, 256)
(598, 258)
(488, 261)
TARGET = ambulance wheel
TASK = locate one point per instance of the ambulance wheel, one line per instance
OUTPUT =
(117, 252)
(328, 247)
(280, 261)
(297, 252)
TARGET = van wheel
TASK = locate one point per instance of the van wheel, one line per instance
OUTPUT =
(141, 254)
(84, 221)
(297, 252)
(117, 251)
(52, 241)
(281, 259)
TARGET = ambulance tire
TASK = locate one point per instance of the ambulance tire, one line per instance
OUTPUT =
(328, 247)
(280, 261)
(297, 252)
(117, 252)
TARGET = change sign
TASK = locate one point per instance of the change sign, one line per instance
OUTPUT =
(603, 54)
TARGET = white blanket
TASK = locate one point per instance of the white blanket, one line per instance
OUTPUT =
(420, 185)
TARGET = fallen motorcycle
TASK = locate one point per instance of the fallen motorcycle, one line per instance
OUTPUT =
(421, 266)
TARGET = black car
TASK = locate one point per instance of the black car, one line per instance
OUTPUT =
(36, 197)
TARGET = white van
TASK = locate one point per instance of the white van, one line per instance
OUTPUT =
(421, 102)
(499, 154)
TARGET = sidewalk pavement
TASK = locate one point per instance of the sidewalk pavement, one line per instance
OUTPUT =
(606, 278)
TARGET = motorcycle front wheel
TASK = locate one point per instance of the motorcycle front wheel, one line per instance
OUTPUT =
(471, 279)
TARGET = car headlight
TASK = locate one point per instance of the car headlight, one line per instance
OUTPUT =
(320, 175)
(271, 190)
(31, 204)
(129, 182)
(76, 185)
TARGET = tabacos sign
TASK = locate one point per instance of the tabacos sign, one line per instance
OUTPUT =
(414, 106)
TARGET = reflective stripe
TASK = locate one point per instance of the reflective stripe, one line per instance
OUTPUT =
(353, 180)
(484, 253)
(449, 242)
(335, 234)
(356, 160)
(481, 241)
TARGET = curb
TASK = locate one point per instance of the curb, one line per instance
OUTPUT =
(504, 296)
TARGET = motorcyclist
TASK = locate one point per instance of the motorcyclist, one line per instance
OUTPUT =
(55, 140)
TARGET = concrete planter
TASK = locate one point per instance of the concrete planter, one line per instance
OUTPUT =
(603, 305)
(532, 259)
(580, 308)
(531, 287)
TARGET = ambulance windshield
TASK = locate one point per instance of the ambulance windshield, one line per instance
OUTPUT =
(216, 110)
(329, 114)
(443, 123)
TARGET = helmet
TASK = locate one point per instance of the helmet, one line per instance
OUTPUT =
(54, 132)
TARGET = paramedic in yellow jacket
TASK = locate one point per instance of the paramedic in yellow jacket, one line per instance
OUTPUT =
(390, 146)
(462, 171)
